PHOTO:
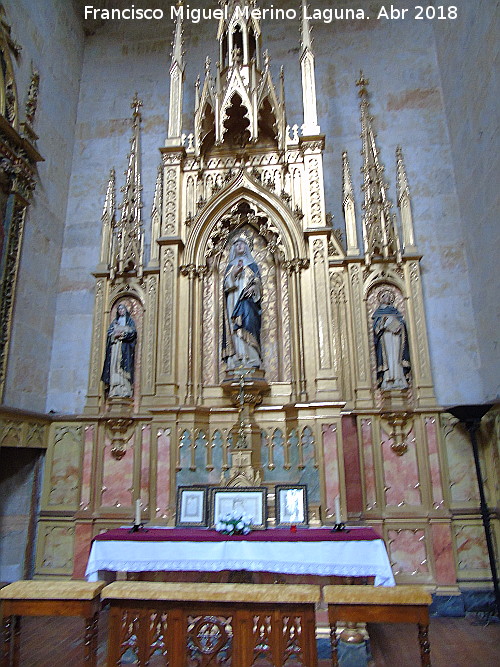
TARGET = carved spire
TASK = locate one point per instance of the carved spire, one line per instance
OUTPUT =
(108, 219)
(310, 125)
(404, 202)
(176, 82)
(128, 235)
(380, 234)
(348, 207)
(243, 106)
(239, 34)
(156, 217)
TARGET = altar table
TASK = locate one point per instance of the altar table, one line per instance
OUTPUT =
(358, 552)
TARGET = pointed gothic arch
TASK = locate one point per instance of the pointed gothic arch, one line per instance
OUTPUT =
(246, 188)
(246, 206)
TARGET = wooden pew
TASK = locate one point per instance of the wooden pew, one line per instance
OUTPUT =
(379, 604)
(49, 598)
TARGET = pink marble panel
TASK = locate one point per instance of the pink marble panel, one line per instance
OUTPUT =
(407, 550)
(87, 466)
(464, 487)
(435, 468)
(472, 553)
(118, 477)
(402, 486)
(443, 553)
(162, 508)
(368, 463)
(145, 460)
(352, 466)
(83, 538)
(330, 457)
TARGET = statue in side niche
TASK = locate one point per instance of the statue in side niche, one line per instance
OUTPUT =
(242, 309)
(118, 370)
(391, 344)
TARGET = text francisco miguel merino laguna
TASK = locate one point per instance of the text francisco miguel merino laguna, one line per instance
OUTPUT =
(197, 14)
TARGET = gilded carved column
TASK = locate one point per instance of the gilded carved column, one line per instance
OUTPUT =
(326, 373)
(156, 220)
(18, 160)
(190, 272)
(150, 330)
(419, 350)
(342, 332)
(97, 345)
(294, 268)
(16, 213)
(314, 204)
(361, 372)
(170, 247)
(171, 218)
(167, 322)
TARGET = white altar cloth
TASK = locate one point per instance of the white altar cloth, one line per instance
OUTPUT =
(352, 558)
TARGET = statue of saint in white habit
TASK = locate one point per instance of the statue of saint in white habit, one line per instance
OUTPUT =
(391, 345)
(242, 309)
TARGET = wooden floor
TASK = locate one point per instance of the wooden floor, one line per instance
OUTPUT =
(455, 642)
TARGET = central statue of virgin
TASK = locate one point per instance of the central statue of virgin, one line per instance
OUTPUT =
(242, 309)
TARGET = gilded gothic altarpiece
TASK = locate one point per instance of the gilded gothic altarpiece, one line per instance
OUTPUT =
(341, 398)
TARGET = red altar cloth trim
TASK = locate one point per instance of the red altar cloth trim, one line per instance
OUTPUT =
(269, 535)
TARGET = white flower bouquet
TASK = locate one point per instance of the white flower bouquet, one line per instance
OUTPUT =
(234, 523)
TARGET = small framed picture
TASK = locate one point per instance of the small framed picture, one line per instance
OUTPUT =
(291, 505)
(192, 506)
(251, 501)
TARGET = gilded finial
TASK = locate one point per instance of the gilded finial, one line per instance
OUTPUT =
(136, 105)
(362, 83)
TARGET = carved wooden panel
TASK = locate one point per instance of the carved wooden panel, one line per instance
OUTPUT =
(63, 474)
(225, 634)
(55, 548)
(17, 433)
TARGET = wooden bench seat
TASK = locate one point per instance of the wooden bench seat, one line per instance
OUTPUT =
(249, 622)
(49, 598)
(379, 604)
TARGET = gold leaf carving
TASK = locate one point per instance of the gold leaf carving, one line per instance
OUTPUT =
(358, 333)
(168, 272)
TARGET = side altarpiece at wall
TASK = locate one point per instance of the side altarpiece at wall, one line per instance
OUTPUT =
(339, 395)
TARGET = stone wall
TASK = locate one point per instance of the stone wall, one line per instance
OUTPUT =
(51, 37)
(19, 484)
(467, 52)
